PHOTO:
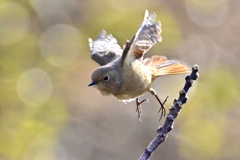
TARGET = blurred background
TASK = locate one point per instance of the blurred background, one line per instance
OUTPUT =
(47, 112)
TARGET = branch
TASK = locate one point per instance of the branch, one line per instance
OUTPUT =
(173, 113)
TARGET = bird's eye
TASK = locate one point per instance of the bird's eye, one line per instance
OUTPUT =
(106, 78)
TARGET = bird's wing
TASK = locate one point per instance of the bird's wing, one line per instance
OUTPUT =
(147, 35)
(104, 48)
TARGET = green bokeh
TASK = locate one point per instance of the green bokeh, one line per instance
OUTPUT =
(76, 116)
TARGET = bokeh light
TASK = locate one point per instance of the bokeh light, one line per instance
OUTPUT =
(48, 112)
(39, 150)
(208, 13)
(60, 44)
(34, 87)
(14, 23)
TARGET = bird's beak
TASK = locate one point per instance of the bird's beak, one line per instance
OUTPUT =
(92, 83)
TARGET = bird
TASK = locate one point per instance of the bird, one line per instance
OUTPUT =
(124, 72)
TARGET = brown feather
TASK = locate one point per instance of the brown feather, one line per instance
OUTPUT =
(159, 65)
(176, 68)
(154, 60)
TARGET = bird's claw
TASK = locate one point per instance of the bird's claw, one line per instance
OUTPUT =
(162, 109)
(139, 108)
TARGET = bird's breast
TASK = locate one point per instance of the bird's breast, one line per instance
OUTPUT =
(137, 79)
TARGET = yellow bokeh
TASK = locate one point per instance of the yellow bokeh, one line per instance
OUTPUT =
(47, 110)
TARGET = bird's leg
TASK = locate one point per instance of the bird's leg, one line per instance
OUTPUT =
(139, 108)
(162, 109)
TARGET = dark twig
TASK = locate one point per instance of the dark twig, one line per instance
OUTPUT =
(172, 115)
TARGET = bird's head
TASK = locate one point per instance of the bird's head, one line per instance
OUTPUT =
(106, 80)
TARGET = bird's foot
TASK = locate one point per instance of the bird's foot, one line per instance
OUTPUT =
(139, 108)
(162, 109)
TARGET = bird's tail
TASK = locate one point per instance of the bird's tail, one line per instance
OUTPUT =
(160, 66)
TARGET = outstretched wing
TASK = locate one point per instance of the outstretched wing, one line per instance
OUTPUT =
(104, 49)
(147, 35)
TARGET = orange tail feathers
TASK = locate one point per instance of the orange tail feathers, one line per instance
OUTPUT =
(161, 66)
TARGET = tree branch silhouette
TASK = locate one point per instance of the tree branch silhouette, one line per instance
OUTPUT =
(172, 115)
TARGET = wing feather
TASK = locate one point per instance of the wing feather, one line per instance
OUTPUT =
(104, 49)
(147, 35)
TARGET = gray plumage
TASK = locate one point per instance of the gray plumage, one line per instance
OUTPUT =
(124, 73)
(104, 49)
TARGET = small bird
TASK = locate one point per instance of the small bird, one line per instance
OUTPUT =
(124, 73)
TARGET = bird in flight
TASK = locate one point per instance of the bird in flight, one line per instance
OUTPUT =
(124, 72)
